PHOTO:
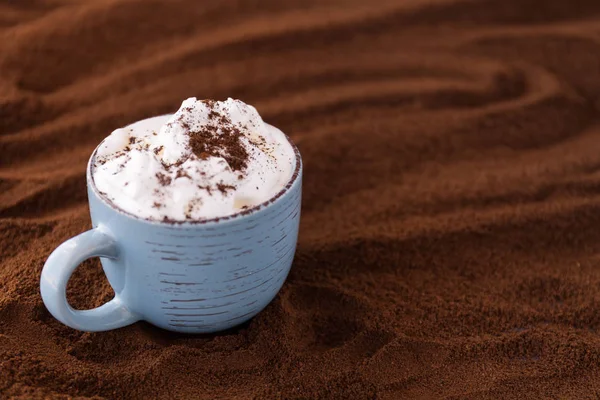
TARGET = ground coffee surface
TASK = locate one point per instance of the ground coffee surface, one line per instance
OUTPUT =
(450, 237)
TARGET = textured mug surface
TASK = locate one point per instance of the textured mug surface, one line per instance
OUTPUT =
(193, 277)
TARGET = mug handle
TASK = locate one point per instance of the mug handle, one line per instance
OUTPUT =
(56, 273)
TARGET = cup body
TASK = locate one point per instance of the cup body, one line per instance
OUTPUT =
(204, 276)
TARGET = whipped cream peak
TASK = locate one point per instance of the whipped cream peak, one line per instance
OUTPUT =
(209, 159)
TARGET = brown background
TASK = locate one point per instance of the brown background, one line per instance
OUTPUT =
(451, 222)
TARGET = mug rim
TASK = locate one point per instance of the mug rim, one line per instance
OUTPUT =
(208, 221)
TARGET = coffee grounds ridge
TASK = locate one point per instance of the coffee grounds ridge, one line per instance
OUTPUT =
(449, 235)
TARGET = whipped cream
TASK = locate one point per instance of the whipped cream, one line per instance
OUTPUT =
(209, 159)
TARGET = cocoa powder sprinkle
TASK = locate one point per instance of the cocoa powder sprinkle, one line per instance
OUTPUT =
(181, 173)
(163, 179)
(220, 138)
(223, 188)
(207, 188)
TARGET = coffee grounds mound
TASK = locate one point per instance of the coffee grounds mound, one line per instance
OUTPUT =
(449, 238)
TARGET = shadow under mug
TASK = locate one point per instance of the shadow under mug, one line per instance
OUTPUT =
(193, 277)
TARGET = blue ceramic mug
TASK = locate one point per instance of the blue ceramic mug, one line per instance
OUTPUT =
(193, 277)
